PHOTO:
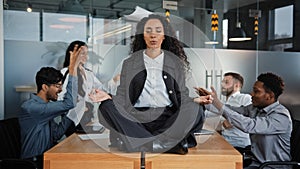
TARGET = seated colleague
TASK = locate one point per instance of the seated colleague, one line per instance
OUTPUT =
(151, 109)
(83, 115)
(266, 120)
(231, 86)
(38, 130)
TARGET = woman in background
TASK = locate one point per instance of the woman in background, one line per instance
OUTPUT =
(83, 114)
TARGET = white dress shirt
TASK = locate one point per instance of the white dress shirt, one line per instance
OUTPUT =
(91, 82)
(154, 93)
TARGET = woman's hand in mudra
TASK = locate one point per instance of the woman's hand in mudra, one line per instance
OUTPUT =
(98, 95)
(204, 99)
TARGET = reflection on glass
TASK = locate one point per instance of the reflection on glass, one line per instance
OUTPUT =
(64, 27)
(281, 47)
(225, 32)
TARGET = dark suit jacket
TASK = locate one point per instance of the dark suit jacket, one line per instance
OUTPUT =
(181, 120)
(133, 77)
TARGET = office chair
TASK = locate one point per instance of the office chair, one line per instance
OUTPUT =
(295, 147)
(10, 146)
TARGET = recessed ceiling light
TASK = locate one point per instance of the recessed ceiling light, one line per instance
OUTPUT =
(73, 19)
(62, 26)
(211, 43)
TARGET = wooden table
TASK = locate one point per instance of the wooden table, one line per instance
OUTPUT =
(212, 152)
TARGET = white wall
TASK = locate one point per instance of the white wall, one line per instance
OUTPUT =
(1, 64)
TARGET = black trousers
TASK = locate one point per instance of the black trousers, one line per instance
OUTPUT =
(247, 155)
(143, 125)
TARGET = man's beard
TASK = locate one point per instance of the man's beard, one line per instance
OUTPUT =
(227, 92)
(51, 98)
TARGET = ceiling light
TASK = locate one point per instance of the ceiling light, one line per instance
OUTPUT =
(73, 19)
(238, 34)
(211, 42)
(29, 7)
(62, 26)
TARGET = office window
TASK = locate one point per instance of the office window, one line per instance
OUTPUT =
(281, 28)
(20, 25)
(281, 25)
(284, 22)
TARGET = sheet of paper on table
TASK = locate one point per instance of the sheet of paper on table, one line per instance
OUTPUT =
(93, 136)
(205, 132)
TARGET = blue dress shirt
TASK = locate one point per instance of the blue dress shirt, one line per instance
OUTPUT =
(270, 130)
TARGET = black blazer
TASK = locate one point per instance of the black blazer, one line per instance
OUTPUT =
(133, 77)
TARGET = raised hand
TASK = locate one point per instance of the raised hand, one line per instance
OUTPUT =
(201, 91)
(98, 95)
(216, 101)
(204, 99)
(74, 60)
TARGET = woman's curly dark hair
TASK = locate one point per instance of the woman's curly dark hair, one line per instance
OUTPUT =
(170, 43)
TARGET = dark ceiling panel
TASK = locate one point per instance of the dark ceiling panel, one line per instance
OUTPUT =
(113, 8)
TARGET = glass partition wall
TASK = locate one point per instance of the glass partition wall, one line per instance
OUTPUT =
(40, 38)
(43, 38)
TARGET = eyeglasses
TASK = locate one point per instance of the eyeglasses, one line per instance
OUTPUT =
(57, 85)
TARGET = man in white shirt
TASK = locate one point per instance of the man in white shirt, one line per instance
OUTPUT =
(232, 84)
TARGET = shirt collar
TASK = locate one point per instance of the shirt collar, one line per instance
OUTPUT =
(37, 98)
(235, 94)
(271, 107)
(159, 59)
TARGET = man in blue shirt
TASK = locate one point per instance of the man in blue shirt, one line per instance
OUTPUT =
(38, 130)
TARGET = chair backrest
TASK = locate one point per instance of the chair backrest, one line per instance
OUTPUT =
(16, 164)
(295, 140)
(295, 147)
(10, 144)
